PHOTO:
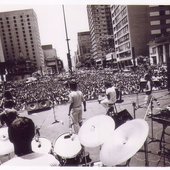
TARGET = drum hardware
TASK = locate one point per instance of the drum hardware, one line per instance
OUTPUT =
(85, 158)
(150, 115)
(134, 109)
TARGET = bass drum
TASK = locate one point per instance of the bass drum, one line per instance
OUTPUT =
(68, 149)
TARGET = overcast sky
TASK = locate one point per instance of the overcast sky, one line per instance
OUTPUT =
(51, 24)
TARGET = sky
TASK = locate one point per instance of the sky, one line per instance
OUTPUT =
(51, 24)
(51, 21)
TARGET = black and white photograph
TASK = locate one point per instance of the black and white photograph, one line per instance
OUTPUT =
(84, 85)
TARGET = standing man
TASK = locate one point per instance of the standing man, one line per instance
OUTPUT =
(75, 109)
(148, 89)
(110, 98)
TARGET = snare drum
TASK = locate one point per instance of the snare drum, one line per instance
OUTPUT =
(68, 149)
(41, 145)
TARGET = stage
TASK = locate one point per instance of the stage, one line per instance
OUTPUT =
(52, 131)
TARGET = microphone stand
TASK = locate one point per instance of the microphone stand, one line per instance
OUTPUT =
(55, 119)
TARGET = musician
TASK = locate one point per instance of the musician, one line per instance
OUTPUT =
(8, 116)
(76, 99)
(7, 101)
(148, 89)
(110, 98)
(21, 132)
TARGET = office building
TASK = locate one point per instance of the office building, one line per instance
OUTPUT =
(100, 26)
(21, 41)
(159, 45)
(131, 33)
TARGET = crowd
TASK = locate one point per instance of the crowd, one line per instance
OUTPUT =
(91, 83)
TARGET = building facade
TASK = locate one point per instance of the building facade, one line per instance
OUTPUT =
(52, 63)
(131, 33)
(84, 47)
(159, 45)
(100, 26)
(21, 41)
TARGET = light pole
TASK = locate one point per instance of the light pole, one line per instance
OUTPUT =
(68, 54)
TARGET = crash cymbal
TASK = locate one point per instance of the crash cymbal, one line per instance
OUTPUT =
(96, 130)
(6, 146)
(126, 140)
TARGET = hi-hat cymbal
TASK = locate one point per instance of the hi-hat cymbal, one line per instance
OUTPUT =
(126, 140)
(6, 146)
(96, 130)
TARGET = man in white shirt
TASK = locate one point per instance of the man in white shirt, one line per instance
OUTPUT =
(21, 132)
(75, 109)
(110, 98)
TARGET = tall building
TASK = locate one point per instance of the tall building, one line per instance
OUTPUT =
(131, 33)
(21, 41)
(84, 46)
(100, 25)
(159, 45)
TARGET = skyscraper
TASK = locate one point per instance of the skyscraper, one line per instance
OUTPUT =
(131, 33)
(100, 25)
(21, 40)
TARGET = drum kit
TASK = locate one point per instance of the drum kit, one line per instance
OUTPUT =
(116, 145)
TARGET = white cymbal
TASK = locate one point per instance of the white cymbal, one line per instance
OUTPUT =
(126, 140)
(96, 130)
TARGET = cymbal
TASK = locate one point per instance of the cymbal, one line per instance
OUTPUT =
(96, 130)
(126, 140)
(6, 146)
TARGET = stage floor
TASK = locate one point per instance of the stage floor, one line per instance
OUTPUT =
(44, 120)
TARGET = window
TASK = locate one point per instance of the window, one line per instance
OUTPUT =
(156, 13)
(158, 31)
(168, 30)
(155, 22)
(167, 12)
(167, 21)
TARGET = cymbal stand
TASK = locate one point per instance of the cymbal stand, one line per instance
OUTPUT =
(134, 109)
(150, 107)
(146, 153)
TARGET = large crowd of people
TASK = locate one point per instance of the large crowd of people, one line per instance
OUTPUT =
(90, 82)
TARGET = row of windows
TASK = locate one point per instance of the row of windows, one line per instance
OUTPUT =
(123, 47)
(123, 39)
(121, 23)
(14, 17)
(158, 31)
(121, 32)
(121, 15)
(157, 13)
